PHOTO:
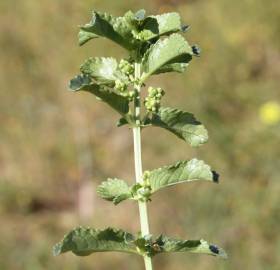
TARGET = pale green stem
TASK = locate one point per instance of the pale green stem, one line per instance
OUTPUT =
(144, 221)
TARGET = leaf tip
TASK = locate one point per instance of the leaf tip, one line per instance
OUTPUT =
(185, 28)
(78, 82)
(56, 250)
(140, 15)
(196, 50)
(218, 251)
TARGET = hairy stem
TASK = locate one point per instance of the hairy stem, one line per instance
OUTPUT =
(143, 211)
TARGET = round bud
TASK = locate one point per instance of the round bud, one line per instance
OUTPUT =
(146, 174)
(144, 193)
(131, 93)
(152, 102)
(150, 89)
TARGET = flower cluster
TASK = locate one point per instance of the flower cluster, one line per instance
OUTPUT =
(122, 88)
(126, 67)
(142, 191)
(152, 101)
(145, 191)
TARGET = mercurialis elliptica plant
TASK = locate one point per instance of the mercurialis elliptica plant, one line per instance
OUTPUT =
(155, 45)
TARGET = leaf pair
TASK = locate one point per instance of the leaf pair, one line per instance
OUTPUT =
(182, 124)
(131, 30)
(117, 190)
(85, 241)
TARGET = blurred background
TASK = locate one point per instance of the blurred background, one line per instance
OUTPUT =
(57, 146)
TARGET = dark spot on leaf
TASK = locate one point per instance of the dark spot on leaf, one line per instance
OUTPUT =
(214, 249)
(216, 177)
(140, 15)
(79, 81)
(196, 50)
(185, 28)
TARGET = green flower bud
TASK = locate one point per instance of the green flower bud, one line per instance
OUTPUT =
(152, 92)
(159, 90)
(144, 193)
(146, 175)
(150, 89)
(120, 86)
(131, 93)
(126, 67)
(152, 102)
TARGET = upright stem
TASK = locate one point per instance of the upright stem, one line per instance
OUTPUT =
(143, 211)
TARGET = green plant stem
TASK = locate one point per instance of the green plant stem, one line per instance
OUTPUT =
(143, 211)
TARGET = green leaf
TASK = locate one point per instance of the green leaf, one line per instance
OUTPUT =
(103, 70)
(84, 241)
(84, 83)
(183, 171)
(174, 49)
(166, 245)
(164, 24)
(117, 29)
(115, 190)
(182, 124)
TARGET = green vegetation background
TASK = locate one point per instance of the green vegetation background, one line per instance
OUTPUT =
(57, 146)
